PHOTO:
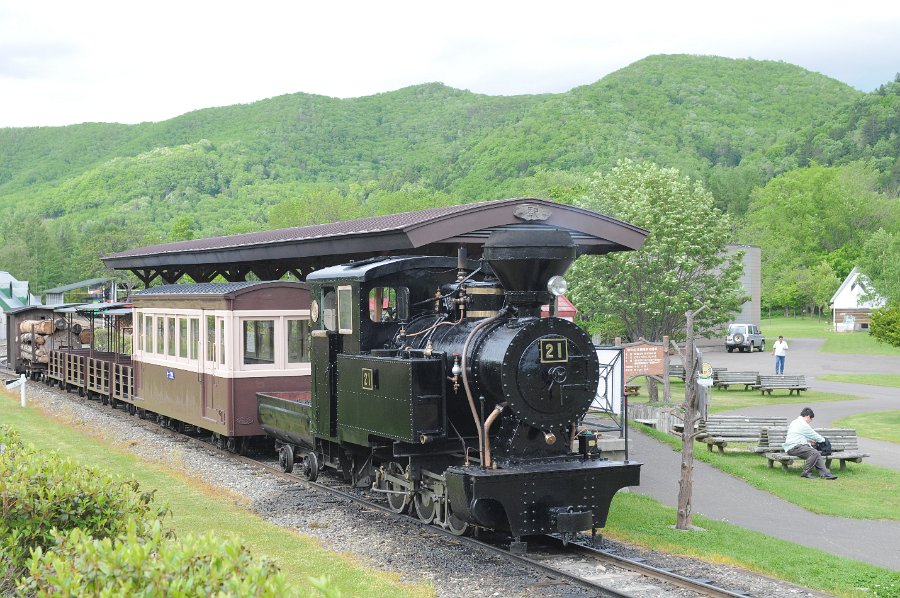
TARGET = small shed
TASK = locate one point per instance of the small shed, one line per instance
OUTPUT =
(564, 309)
(853, 302)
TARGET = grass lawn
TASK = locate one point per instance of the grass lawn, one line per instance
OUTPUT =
(197, 508)
(862, 491)
(726, 400)
(793, 328)
(641, 520)
(859, 343)
(892, 380)
(878, 425)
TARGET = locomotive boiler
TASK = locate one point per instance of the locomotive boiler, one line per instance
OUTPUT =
(437, 382)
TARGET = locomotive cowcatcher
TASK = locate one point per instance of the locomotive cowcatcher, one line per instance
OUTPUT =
(436, 381)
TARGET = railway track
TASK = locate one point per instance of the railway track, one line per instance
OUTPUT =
(576, 563)
(600, 571)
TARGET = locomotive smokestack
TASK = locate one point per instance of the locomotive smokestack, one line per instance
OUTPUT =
(525, 260)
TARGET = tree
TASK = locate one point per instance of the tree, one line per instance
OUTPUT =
(682, 265)
(811, 215)
(879, 260)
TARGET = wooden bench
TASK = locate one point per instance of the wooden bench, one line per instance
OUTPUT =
(726, 379)
(791, 383)
(844, 444)
(676, 371)
(632, 390)
(719, 430)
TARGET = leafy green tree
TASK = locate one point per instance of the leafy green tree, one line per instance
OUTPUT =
(682, 265)
(810, 215)
(880, 262)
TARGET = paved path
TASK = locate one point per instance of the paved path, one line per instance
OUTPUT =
(720, 496)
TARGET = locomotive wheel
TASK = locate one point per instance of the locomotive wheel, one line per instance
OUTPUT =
(456, 526)
(311, 466)
(398, 500)
(231, 444)
(425, 507)
(286, 459)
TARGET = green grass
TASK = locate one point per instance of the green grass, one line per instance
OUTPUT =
(727, 400)
(892, 380)
(198, 509)
(793, 328)
(862, 491)
(642, 521)
(858, 343)
(878, 425)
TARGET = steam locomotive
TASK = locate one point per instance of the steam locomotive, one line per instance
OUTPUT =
(435, 381)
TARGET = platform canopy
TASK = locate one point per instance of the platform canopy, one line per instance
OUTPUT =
(437, 231)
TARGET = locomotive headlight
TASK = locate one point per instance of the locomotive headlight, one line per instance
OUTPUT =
(557, 285)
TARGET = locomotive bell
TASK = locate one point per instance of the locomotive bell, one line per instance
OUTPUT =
(524, 261)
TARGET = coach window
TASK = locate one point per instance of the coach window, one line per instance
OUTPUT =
(259, 342)
(298, 341)
(182, 338)
(148, 334)
(345, 310)
(160, 335)
(329, 309)
(195, 338)
(170, 341)
(211, 339)
(221, 324)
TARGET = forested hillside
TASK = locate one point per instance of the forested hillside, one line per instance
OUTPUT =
(71, 194)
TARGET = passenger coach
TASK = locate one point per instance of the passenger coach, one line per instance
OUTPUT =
(203, 351)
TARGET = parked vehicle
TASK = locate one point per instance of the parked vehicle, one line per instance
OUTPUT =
(744, 337)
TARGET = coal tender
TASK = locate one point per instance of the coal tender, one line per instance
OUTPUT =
(437, 382)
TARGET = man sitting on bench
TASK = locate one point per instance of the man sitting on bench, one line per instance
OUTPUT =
(800, 436)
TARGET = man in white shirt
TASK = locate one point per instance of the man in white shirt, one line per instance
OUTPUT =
(780, 350)
(797, 443)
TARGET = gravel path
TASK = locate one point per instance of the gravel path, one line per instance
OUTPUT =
(416, 555)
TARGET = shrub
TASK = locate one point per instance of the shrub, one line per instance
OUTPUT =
(886, 324)
(149, 563)
(40, 492)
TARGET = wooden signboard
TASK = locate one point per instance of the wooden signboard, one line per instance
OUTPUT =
(644, 359)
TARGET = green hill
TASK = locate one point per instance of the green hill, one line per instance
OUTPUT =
(71, 194)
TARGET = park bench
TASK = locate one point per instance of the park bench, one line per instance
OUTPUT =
(632, 390)
(726, 379)
(844, 443)
(677, 371)
(791, 383)
(719, 430)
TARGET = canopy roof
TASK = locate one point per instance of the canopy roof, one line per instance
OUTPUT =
(436, 231)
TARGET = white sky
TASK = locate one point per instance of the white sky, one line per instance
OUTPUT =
(65, 61)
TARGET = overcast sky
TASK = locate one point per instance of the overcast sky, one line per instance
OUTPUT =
(65, 62)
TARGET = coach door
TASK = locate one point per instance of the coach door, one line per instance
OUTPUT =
(213, 360)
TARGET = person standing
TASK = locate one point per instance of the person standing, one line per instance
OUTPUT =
(780, 351)
(798, 443)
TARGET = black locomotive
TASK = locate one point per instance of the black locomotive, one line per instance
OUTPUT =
(436, 381)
